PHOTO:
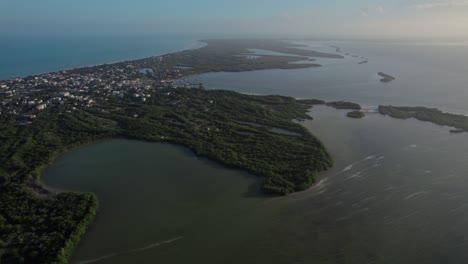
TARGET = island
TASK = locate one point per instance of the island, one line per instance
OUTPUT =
(433, 115)
(344, 105)
(43, 116)
(386, 78)
(337, 49)
(356, 114)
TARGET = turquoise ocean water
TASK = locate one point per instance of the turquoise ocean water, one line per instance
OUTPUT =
(22, 56)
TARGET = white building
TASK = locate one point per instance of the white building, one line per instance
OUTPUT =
(41, 107)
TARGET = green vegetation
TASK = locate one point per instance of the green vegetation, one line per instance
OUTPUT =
(39, 226)
(312, 101)
(268, 44)
(344, 105)
(35, 229)
(432, 115)
(227, 56)
(385, 77)
(356, 114)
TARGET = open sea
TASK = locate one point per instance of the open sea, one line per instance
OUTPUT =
(23, 56)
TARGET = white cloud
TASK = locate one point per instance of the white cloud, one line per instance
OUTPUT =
(373, 21)
(440, 3)
(373, 10)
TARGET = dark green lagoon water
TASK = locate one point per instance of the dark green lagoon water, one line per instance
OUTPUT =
(396, 195)
(152, 193)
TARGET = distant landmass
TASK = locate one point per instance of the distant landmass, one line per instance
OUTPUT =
(433, 115)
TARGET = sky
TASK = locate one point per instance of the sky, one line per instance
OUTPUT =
(314, 18)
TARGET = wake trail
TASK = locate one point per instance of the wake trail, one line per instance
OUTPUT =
(414, 195)
(150, 246)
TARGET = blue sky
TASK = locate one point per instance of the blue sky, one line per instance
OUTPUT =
(304, 17)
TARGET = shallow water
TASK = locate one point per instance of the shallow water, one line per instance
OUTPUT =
(427, 74)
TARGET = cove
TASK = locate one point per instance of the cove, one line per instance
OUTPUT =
(157, 201)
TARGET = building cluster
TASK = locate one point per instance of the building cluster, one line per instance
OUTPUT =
(85, 87)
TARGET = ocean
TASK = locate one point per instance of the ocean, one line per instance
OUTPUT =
(23, 56)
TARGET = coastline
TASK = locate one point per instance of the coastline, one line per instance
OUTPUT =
(192, 46)
(51, 191)
(297, 54)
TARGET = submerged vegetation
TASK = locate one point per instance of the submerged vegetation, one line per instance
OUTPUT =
(385, 77)
(457, 131)
(433, 115)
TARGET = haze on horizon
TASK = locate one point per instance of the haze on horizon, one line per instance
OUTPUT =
(339, 18)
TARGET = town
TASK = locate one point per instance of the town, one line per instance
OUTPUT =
(24, 98)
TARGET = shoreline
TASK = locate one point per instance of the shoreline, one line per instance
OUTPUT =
(52, 191)
(204, 43)
(109, 63)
